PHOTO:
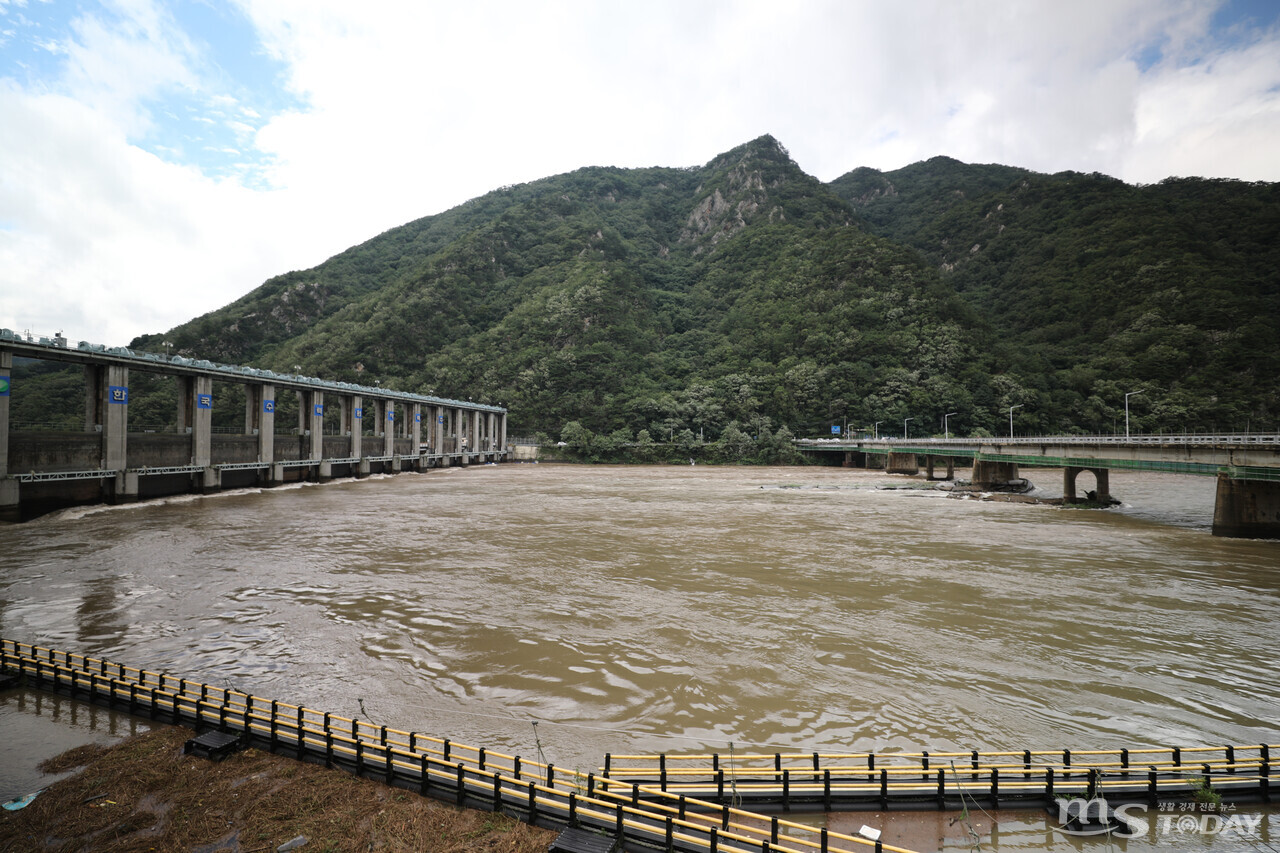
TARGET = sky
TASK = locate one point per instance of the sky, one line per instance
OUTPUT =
(162, 158)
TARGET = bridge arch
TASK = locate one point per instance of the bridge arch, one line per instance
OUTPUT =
(1102, 488)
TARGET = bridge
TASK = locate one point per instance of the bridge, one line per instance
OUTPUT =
(1247, 466)
(370, 430)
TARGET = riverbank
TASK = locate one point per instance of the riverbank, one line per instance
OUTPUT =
(143, 794)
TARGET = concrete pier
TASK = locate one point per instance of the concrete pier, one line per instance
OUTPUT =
(902, 463)
(1102, 476)
(1247, 508)
(994, 475)
(931, 461)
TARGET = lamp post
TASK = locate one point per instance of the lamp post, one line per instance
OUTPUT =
(1011, 408)
(876, 428)
(1126, 413)
(945, 433)
(904, 426)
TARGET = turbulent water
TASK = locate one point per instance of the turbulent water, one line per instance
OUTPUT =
(633, 609)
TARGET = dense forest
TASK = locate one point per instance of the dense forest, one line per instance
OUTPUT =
(744, 301)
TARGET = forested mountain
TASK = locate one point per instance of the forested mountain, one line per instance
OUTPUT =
(1171, 289)
(731, 299)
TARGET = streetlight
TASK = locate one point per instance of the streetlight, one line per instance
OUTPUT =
(1011, 408)
(945, 434)
(1126, 413)
(904, 426)
(876, 428)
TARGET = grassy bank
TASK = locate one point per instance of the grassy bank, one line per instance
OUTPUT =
(143, 794)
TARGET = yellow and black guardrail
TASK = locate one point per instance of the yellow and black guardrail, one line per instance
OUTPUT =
(686, 802)
(954, 779)
(641, 817)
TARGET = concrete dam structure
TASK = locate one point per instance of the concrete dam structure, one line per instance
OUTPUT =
(342, 430)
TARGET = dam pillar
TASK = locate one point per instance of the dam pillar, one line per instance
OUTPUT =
(1247, 509)
(9, 489)
(994, 474)
(199, 418)
(311, 425)
(349, 423)
(389, 428)
(415, 433)
(460, 438)
(260, 420)
(502, 432)
(902, 463)
(442, 432)
(325, 469)
(475, 444)
(1102, 492)
(107, 412)
(6, 374)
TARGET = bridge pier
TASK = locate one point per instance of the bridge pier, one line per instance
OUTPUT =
(1247, 509)
(902, 463)
(929, 462)
(1102, 494)
(993, 475)
(856, 459)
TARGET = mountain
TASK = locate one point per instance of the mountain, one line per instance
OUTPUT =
(660, 299)
(733, 298)
(1102, 287)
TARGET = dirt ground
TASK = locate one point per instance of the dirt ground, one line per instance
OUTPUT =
(143, 794)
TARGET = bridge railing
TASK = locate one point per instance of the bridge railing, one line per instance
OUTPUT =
(1247, 438)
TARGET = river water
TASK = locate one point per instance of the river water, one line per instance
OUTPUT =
(643, 609)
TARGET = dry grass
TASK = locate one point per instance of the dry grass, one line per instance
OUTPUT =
(143, 794)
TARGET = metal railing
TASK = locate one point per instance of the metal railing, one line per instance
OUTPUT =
(1146, 439)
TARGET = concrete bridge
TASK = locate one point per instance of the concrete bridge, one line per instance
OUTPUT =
(1247, 467)
(360, 431)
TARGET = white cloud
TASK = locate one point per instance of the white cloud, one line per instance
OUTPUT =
(111, 241)
(1219, 117)
(409, 108)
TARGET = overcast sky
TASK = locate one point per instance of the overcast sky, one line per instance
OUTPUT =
(161, 159)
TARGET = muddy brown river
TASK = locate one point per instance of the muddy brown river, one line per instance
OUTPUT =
(639, 609)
